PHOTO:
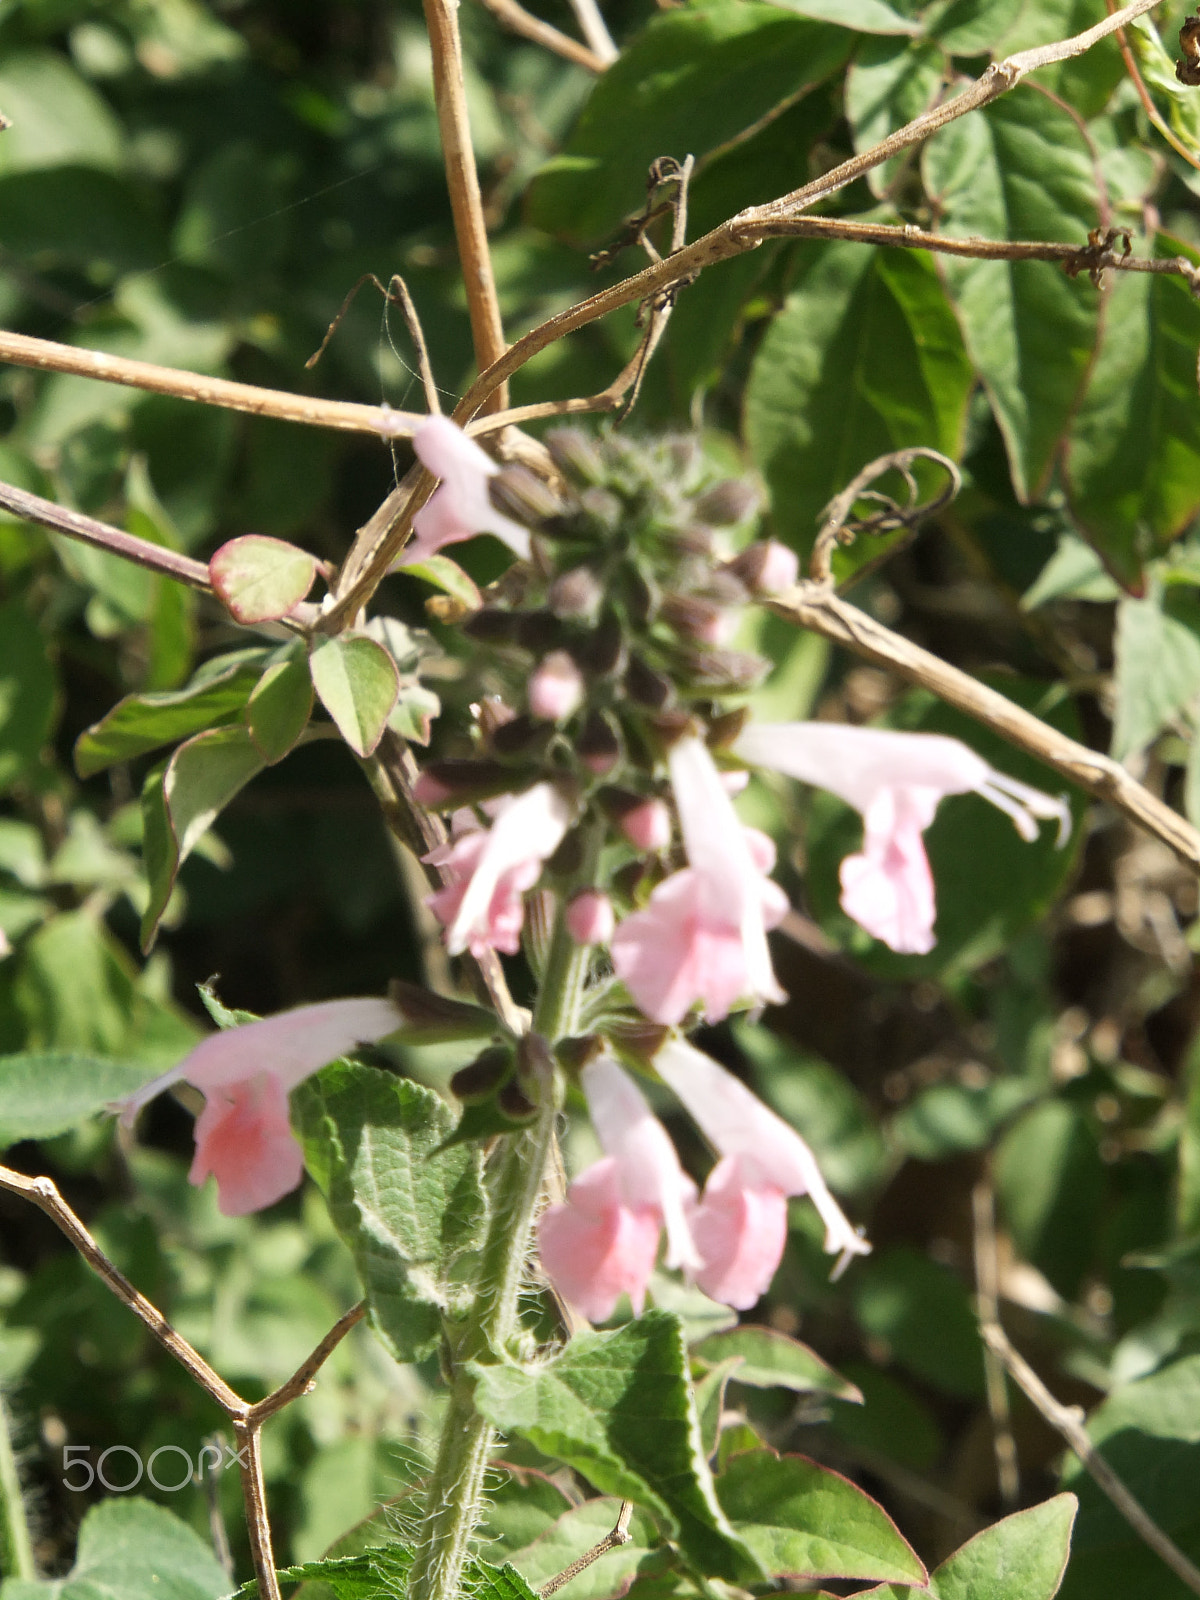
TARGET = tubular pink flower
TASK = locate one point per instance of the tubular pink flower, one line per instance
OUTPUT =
(555, 687)
(703, 934)
(896, 780)
(602, 1241)
(765, 1161)
(460, 508)
(483, 909)
(589, 918)
(243, 1136)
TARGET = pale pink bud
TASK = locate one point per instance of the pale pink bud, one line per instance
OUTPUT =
(780, 569)
(648, 826)
(556, 687)
(590, 918)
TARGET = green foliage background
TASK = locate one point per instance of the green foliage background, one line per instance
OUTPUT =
(200, 185)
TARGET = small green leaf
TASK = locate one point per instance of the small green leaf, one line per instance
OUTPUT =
(803, 1521)
(1020, 170)
(27, 691)
(618, 1407)
(969, 27)
(142, 722)
(449, 577)
(280, 705)
(863, 16)
(1073, 572)
(358, 684)
(260, 578)
(180, 802)
(45, 1094)
(407, 1209)
(1022, 1557)
(772, 1360)
(1157, 667)
(579, 1530)
(131, 1550)
(367, 1576)
(414, 712)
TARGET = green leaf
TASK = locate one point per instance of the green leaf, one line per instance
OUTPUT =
(131, 1550)
(1158, 73)
(1133, 456)
(1022, 1557)
(864, 358)
(1050, 1183)
(1020, 170)
(42, 1094)
(369, 1576)
(1149, 1433)
(27, 691)
(771, 1360)
(691, 82)
(358, 684)
(413, 714)
(579, 1530)
(925, 1314)
(1073, 572)
(142, 722)
(803, 1521)
(407, 1210)
(180, 802)
(969, 27)
(890, 82)
(57, 118)
(280, 705)
(449, 577)
(259, 578)
(863, 16)
(1187, 1198)
(618, 1407)
(1157, 667)
(947, 1118)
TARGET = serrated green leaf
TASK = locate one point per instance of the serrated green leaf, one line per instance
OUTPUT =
(771, 1360)
(45, 1093)
(802, 1520)
(27, 690)
(579, 1530)
(1020, 170)
(864, 358)
(1022, 1557)
(130, 1549)
(1133, 455)
(1157, 667)
(372, 1575)
(260, 578)
(142, 722)
(890, 82)
(180, 802)
(619, 1408)
(407, 1210)
(280, 705)
(358, 684)
(692, 81)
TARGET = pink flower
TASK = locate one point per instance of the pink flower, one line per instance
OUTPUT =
(460, 508)
(590, 918)
(483, 908)
(896, 780)
(648, 826)
(602, 1241)
(703, 934)
(555, 687)
(243, 1136)
(740, 1224)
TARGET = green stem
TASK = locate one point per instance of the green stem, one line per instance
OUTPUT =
(16, 1548)
(454, 1494)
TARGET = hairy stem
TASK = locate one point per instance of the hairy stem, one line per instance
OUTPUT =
(16, 1547)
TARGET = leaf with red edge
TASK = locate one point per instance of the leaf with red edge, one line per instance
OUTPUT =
(259, 578)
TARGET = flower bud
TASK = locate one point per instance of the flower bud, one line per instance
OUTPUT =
(647, 826)
(766, 567)
(522, 739)
(483, 1076)
(727, 502)
(516, 492)
(577, 593)
(645, 687)
(590, 918)
(461, 781)
(701, 620)
(556, 687)
(603, 653)
(515, 1103)
(539, 631)
(725, 671)
(491, 626)
(576, 453)
(599, 744)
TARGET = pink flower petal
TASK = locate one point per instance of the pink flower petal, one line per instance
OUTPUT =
(740, 1231)
(676, 952)
(244, 1138)
(888, 889)
(460, 508)
(594, 1248)
(590, 918)
(556, 687)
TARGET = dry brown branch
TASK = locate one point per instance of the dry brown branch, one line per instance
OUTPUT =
(345, 415)
(466, 202)
(395, 293)
(1068, 1422)
(248, 1438)
(301, 1381)
(514, 16)
(620, 1535)
(987, 1291)
(840, 527)
(817, 607)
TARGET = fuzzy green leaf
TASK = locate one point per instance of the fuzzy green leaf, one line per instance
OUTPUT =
(771, 1360)
(358, 684)
(131, 1550)
(280, 705)
(259, 578)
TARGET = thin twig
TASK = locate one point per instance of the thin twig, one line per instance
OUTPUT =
(301, 1381)
(987, 1291)
(817, 607)
(595, 30)
(838, 527)
(466, 202)
(1067, 1421)
(1151, 110)
(248, 1438)
(344, 415)
(395, 293)
(515, 16)
(620, 1535)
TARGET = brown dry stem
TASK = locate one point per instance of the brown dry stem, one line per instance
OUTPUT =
(514, 16)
